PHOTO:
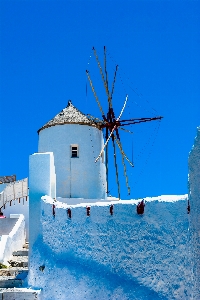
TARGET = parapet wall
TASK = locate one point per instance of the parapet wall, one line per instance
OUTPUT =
(18, 207)
(147, 253)
(14, 239)
(6, 225)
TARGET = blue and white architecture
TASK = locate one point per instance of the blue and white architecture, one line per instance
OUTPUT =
(102, 255)
(64, 167)
(75, 142)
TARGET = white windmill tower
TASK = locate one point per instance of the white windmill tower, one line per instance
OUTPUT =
(65, 165)
(75, 141)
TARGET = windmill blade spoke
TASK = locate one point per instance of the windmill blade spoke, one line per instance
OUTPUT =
(116, 167)
(139, 120)
(95, 95)
(92, 118)
(101, 72)
(112, 113)
(111, 123)
(113, 84)
(123, 108)
(125, 175)
(105, 68)
(122, 151)
(123, 162)
(125, 130)
(105, 144)
(117, 134)
(107, 161)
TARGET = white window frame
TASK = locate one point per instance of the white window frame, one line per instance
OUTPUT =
(77, 150)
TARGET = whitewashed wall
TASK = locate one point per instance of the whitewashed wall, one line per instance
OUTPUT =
(194, 197)
(76, 177)
(42, 181)
(13, 190)
(14, 200)
(113, 257)
(2, 187)
(13, 241)
(18, 207)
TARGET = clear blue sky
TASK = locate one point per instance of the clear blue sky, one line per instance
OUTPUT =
(45, 47)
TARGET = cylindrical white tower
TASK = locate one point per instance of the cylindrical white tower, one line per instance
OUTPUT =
(76, 142)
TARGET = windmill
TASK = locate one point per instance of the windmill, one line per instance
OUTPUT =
(112, 123)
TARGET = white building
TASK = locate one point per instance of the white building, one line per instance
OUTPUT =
(65, 164)
(103, 255)
(75, 141)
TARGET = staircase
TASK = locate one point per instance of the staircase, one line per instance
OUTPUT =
(14, 277)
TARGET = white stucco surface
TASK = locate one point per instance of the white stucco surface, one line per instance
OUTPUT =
(20, 294)
(18, 207)
(194, 197)
(81, 176)
(102, 256)
(2, 187)
(42, 180)
(13, 241)
(123, 256)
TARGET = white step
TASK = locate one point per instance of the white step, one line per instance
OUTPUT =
(10, 282)
(15, 275)
(19, 294)
(13, 271)
(18, 261)
(12, 278)
(20, 253)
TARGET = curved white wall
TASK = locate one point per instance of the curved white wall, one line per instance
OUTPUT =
(76, 177)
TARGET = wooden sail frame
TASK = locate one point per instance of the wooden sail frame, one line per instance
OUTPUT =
(113, 124)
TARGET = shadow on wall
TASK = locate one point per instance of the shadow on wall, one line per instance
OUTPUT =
(98, 278)
(149, 250)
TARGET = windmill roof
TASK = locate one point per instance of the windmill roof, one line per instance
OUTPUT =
(69, 115)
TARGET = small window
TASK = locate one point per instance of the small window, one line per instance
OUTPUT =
(74, 150)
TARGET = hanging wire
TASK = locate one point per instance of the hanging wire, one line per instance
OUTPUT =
(134, 90)
(132, 151)
(155, 133)
(86, 83)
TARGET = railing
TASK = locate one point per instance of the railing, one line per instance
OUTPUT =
(14, 190)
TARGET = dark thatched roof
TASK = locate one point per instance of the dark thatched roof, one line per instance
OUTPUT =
(69, 115)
